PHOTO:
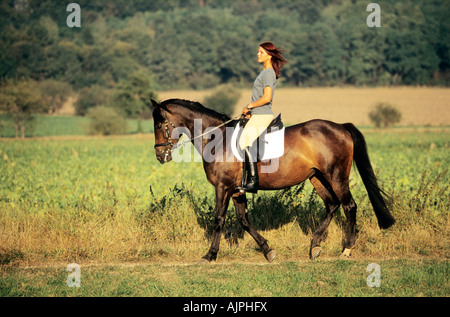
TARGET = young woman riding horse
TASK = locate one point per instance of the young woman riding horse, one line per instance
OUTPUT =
(318, 150)
(259, 111)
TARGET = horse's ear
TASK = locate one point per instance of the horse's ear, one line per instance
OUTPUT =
(154, 104)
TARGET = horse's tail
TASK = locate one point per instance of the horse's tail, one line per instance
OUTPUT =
(376, 194)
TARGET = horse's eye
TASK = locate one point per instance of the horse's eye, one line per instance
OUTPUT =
(159, 126)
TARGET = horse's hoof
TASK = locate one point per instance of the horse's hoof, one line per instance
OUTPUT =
(345, 255)
(203, 262)
(270, 256)
(315, 252)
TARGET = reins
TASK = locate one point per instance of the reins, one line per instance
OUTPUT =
(168, 142)
(201, 135)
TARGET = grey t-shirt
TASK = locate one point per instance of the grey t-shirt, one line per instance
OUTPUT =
(266, 78)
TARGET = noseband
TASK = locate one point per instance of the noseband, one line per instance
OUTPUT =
(168, 142)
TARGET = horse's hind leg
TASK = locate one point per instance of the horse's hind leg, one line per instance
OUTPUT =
(326, 192)
(349, 207)
(333, 195)
(240, 202)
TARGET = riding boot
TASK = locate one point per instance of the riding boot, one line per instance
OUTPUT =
(251, 180)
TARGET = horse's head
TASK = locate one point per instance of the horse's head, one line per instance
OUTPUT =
(175, 117)
(164, 124)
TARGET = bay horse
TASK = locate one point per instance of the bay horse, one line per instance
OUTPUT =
(319, 150)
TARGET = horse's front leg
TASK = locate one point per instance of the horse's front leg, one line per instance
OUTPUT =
(240, 202)
(223, 195)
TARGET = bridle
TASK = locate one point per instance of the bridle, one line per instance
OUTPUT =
(168, 144)
(171, 146)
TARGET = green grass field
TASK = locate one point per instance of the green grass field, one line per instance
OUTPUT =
(88, 200)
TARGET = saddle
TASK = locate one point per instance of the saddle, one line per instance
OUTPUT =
(274, 126)
(270, 144)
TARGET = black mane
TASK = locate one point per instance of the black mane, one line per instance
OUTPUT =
(197, 107)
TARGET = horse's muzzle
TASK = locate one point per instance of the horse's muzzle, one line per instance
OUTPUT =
(164, 157)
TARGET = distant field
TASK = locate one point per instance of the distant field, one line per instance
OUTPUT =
(43, 126)
(419, 106)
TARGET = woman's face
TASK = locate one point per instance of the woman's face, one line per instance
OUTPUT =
(263, 56)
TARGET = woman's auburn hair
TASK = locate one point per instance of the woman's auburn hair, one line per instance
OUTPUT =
(278, 60)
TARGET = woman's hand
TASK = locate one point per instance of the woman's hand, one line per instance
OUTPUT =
(246, 112)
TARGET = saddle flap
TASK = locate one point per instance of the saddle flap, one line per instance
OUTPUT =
(270, 145)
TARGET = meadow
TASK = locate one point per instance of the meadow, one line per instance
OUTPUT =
(136, 227)
(108, 205)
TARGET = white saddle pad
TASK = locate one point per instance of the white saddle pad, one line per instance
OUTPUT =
(271, 145)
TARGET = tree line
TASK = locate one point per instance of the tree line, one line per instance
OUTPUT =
(125, 50)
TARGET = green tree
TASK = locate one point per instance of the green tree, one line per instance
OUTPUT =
(410, 56)
(201, 43)
(301, 63)
(169, 59)
(90, 97)
(133, 95)
(20, 101)
(236, 59)
(55, 93)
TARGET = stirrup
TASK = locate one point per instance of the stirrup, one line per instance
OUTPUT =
(242, 190)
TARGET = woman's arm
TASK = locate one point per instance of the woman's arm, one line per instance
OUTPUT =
(265, 99)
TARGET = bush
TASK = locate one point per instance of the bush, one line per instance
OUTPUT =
(385, 115)
(106, 121)
(223, 99)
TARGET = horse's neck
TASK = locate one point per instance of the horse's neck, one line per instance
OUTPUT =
(198, 126)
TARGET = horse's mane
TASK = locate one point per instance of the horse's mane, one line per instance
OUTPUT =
(197, 107)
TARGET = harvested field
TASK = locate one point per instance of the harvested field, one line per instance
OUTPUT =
(419, 106)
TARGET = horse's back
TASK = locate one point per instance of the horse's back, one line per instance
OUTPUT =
(321, 142)
(320, 131)
(318, 126)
